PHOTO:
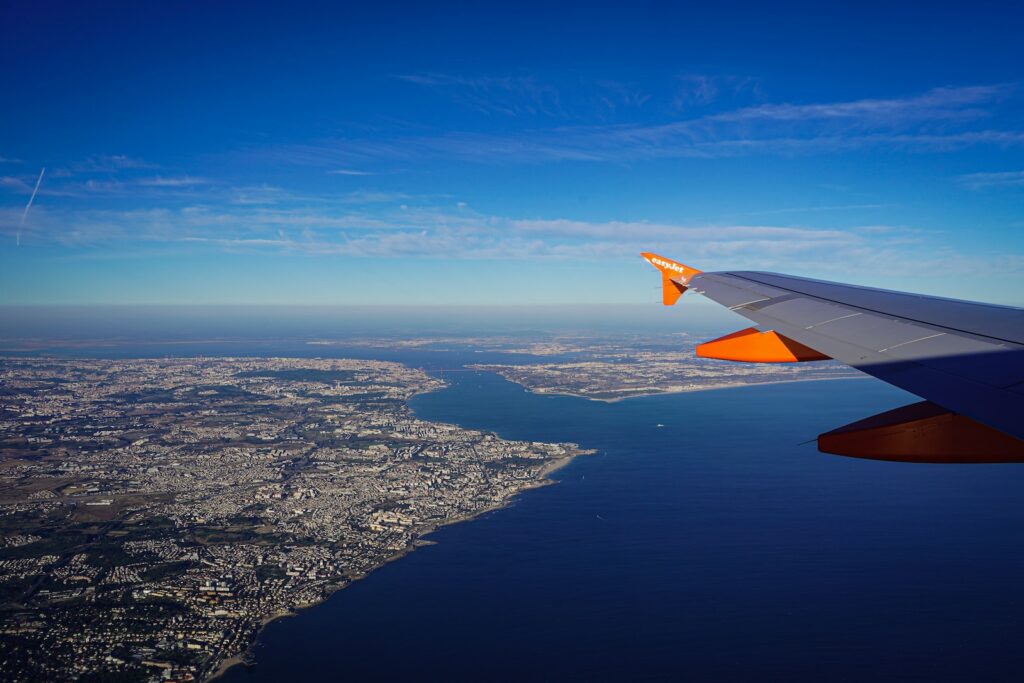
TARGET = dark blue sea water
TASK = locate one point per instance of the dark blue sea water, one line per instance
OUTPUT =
(715, 547)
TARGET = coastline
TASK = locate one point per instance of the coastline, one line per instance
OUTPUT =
(247, 657)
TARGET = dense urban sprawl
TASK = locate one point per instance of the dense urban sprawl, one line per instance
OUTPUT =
(154, 514)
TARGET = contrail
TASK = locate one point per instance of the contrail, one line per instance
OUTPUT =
(28, 206)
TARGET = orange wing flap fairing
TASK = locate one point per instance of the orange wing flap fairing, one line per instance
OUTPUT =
(925, 433)
(753, 346)
(674, 276)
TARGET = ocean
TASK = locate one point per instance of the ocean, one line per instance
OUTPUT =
(706, 540)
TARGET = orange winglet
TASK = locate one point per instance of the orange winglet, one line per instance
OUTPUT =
(922, 432)
(674, 276)
(753, 346)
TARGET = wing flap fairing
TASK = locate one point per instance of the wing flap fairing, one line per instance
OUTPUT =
(753, 346)
(922, 432)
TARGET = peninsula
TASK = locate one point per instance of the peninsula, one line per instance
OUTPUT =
(154, 514)
(615, 368)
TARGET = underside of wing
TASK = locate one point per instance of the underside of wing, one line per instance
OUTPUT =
(966, 359)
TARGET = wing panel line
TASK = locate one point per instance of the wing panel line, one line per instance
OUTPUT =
(877, 312)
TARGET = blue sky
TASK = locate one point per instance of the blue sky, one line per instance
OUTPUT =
(291, 153)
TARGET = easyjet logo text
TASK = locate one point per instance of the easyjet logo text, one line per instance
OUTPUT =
(668, 264)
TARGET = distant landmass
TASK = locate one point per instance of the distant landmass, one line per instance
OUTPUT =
(611, 369)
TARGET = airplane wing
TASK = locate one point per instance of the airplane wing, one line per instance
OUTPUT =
(965, 358)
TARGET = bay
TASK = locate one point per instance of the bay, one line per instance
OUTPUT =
(705, 541)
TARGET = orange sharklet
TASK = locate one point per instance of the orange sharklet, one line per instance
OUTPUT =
(675, 276)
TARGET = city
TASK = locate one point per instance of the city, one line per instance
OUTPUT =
(156, 513)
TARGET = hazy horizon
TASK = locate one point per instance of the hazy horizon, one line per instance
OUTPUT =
(147, 323)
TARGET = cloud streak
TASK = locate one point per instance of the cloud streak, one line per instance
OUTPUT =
(433, 233)
(32, 198)
(978, 181)
(349, 172)
(577, 97)
(510, 96)
(942, 119)
(173, 181)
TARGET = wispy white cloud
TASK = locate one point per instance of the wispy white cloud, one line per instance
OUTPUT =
(103, 164)
(372, 197)
(942, 119)
(15, 184)
(578, 97)
(505, 95)
(977, 181)
(118, 175)
(158, 187)
(257, 195)
(643, 232)
(816, 209)
(692, 91)
(349, 172)
(171, 181)
(936, 104)
(461, 233)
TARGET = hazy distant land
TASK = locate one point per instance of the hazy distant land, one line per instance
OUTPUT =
(604, 369)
